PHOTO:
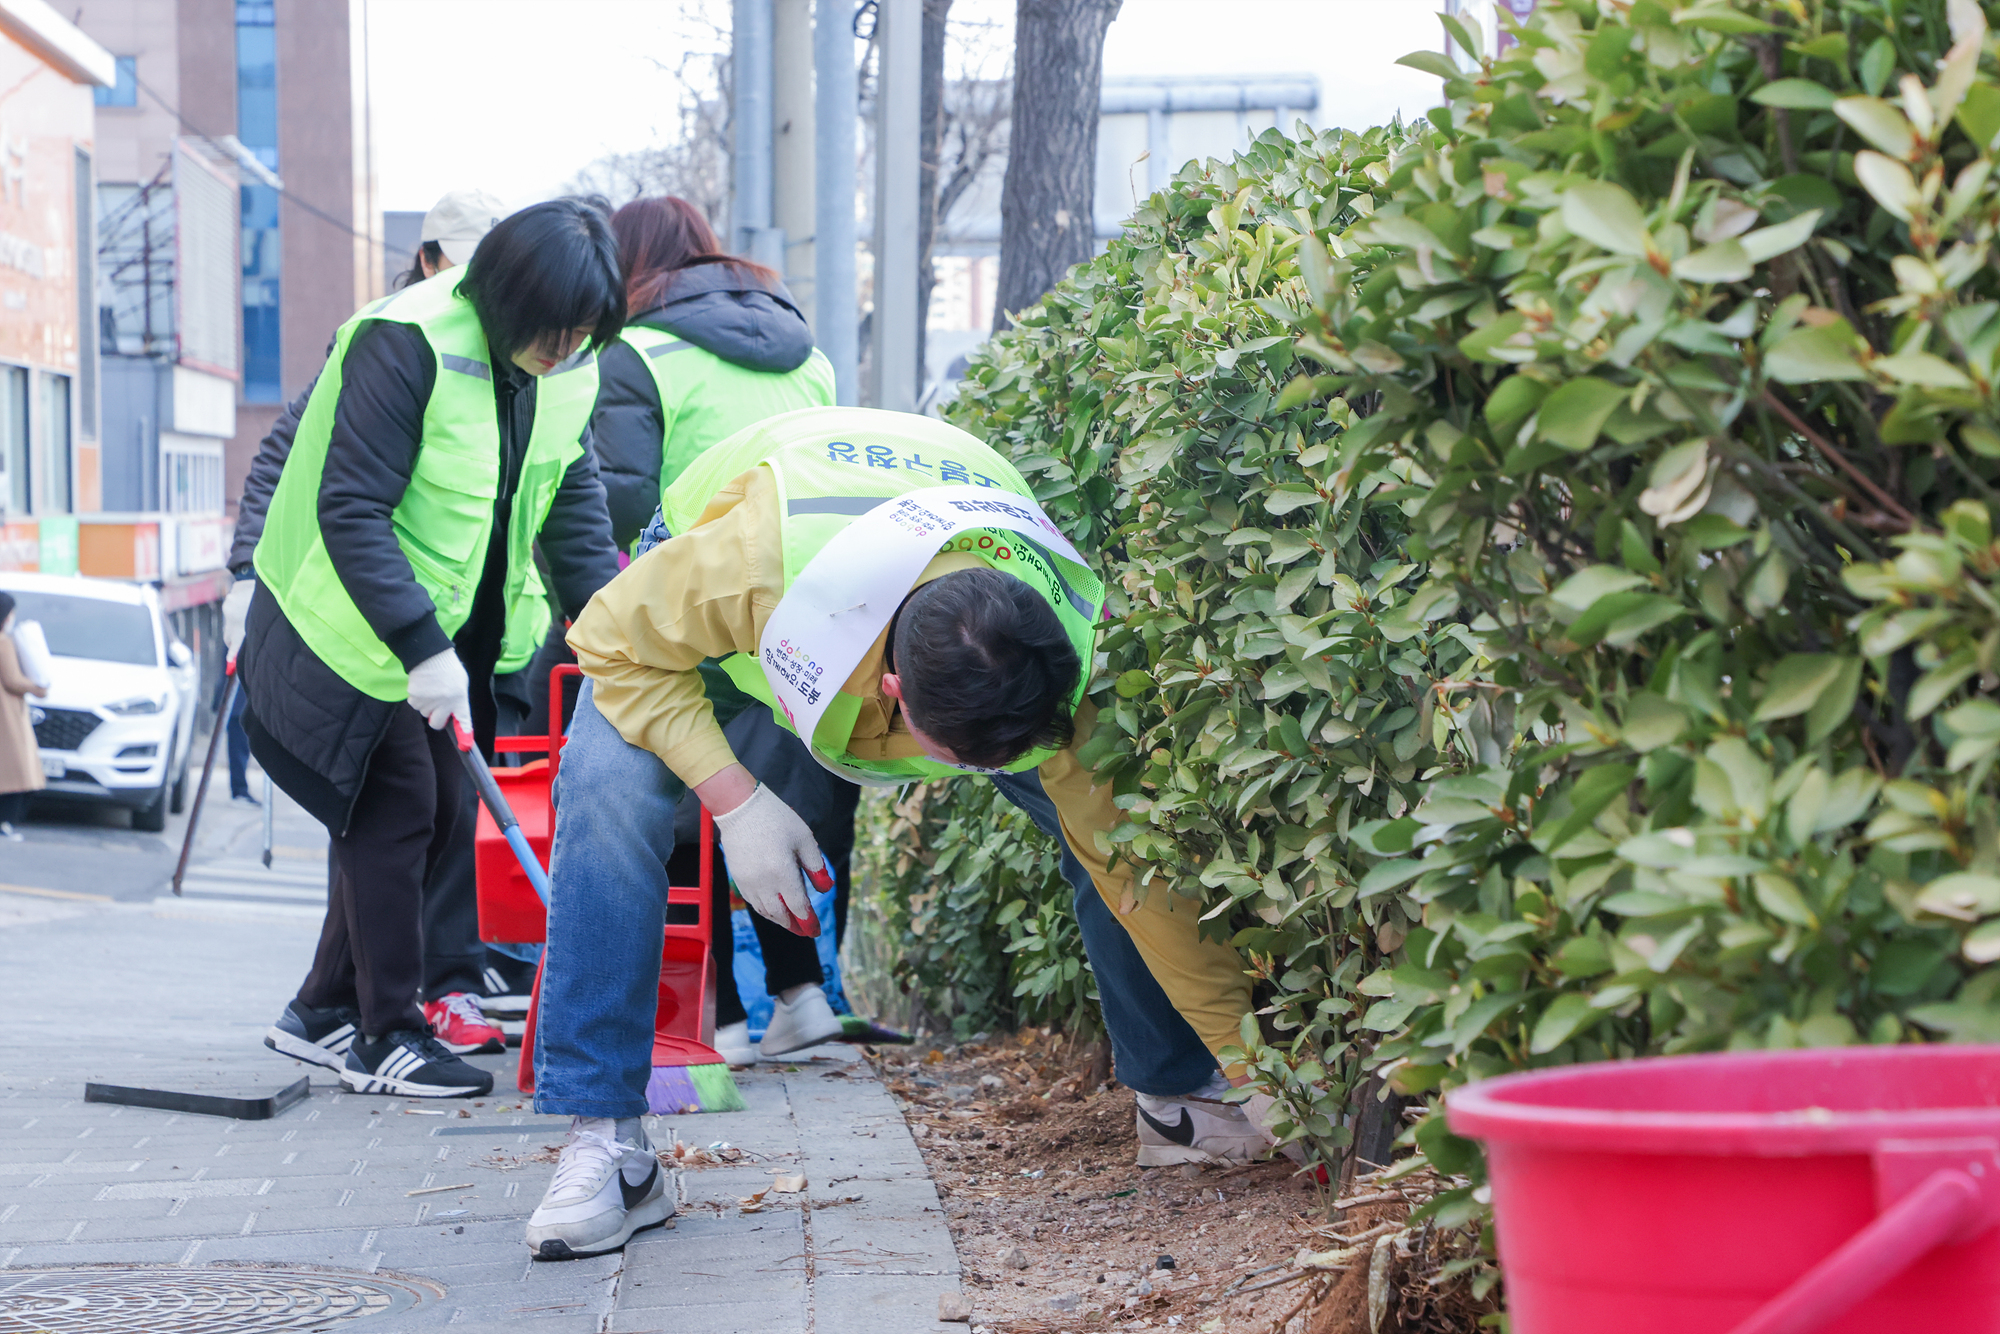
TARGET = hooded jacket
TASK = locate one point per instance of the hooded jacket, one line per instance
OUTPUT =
(723, 311)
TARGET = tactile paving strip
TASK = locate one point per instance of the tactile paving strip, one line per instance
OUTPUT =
(201, 1299)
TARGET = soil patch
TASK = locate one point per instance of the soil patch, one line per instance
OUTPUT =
(1059, 1231)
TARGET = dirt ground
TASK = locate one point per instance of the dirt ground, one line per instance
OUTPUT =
(1058, 1232)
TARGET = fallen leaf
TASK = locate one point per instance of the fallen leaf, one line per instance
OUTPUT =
(791, 1183)
(754, 1204)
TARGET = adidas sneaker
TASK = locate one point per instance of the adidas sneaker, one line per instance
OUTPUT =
(412, 1063)
(319, 1036)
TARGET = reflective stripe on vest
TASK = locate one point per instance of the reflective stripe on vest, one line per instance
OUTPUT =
(827, 462)
(445, 518)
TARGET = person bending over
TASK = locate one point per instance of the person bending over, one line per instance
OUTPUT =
(884, 585)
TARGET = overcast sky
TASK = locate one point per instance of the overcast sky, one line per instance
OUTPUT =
(514, 96)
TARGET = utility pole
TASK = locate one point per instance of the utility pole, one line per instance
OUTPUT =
(792, 147)
(836, 312)
(898, 135)
(751, 232)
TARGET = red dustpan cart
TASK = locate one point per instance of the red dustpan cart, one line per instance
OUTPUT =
(511, 910)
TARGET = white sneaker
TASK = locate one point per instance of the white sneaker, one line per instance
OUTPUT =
(1197, 1127)
(10, 833)
(608, 1185)
(803, 1022)
(733, 1041)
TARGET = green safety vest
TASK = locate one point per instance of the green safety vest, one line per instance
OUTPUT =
(833, 464)
(705, 398)
(528, 620)
(445, 517)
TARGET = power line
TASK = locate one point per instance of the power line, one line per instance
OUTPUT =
(224, 149)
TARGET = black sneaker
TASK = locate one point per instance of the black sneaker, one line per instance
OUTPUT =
(414, 1064)
(319, 1036)
(507, 986)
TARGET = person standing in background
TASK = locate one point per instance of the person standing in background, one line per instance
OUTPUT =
(715, 344)
(459, 971)
(20, 756)
(447, 437)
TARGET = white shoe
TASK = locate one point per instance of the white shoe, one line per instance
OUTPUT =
(733, 1041)
(10, 833)
(1197, 1127)
(805, 1021)
(608, 1185)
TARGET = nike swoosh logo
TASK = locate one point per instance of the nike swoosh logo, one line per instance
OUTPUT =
(1182, 1134)
(633, 1194)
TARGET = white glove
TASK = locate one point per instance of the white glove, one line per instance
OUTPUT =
(768, 846)
(440, 691)
(235, 609)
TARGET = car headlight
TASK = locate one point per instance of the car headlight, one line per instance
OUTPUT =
(126, 708)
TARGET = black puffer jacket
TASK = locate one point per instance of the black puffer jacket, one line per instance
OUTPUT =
(720, 310)
(262, 481)
(311, 730)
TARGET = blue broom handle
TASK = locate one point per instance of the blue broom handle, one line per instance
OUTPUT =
(502, 813)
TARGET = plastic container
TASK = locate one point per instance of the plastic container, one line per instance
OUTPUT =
(1846, 1191)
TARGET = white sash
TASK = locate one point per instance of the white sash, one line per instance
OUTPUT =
(845, 596)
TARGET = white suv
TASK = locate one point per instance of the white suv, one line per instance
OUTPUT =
(118, 722)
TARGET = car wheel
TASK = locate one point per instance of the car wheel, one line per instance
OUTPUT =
(152, 817)
(177, 799)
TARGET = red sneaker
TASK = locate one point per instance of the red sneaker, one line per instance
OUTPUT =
(461, 1026)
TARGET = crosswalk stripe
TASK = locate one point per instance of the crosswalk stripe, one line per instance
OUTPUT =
(192, 887)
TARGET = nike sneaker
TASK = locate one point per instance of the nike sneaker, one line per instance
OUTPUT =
(413, 1063)
(319, 1036)
(608, 1185)
(1197, 1127)
(461, 1026)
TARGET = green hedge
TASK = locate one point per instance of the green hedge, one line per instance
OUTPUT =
(1560, 601)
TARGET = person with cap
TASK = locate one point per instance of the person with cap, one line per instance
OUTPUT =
(446, 441)
(459, 971)
(885, 585)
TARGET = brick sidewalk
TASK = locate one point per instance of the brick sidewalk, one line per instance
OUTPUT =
(116, 994)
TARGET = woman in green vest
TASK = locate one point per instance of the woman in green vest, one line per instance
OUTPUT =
(716, 344)
(446, 438)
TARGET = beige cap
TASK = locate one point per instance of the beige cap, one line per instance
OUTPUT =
(457, 221)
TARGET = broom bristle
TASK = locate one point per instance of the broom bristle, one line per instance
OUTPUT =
(692, 1088)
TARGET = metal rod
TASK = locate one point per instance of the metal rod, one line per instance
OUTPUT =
(207, 767)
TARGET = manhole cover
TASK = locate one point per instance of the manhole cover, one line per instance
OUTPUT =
(203, 1299)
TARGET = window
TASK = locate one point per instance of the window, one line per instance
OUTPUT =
(125, 91)
(190, 474)
(53, 457)
(257, 128)
(13, 439)
(94, 628)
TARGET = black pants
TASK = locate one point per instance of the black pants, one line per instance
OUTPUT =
(371, 950)
(788, 959)
(14, 807)
(454, 956)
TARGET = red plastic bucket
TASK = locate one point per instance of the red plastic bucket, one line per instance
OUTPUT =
(1847, 1191)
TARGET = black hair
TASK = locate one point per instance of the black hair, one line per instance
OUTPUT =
(429, 250)
(987, 670)
(543, 271)
(6, 607)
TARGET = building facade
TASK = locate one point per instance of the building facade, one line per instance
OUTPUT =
(49, 466)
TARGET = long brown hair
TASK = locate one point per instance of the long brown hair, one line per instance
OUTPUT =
(660, 236)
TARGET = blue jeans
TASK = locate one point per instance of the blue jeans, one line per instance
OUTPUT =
(608, 887)
(608, 896)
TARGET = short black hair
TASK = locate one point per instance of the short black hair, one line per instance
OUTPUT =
(986, 666)
(541, 272)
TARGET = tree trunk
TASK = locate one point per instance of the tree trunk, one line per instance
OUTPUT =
(1047, 205)
(930, 149)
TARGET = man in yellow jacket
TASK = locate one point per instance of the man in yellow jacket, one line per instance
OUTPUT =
(887, 586)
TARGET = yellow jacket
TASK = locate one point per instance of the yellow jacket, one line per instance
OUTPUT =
(707, 593)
